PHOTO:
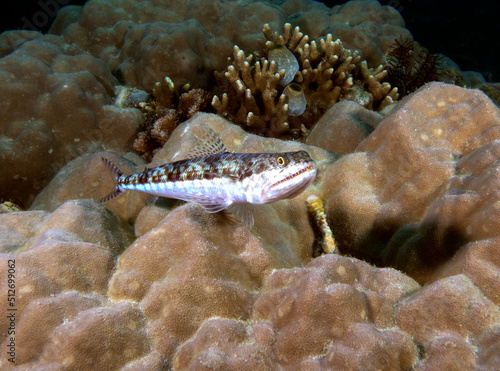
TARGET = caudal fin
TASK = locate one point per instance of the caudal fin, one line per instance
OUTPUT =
(117, 173)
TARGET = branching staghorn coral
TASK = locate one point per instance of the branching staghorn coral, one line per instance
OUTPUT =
(252, 96)
(280, 92)
(256, 91)
(331, 72)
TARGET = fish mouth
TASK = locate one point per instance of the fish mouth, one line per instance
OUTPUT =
(291, 176)
(297, 188)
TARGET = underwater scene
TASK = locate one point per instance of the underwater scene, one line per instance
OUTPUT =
(247, 185)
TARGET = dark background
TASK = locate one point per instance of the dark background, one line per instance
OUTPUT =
(466, 31)
(18, 14)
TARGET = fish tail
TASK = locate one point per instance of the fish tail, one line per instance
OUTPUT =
(117, 174)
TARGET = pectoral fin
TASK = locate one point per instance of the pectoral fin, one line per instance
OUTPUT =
(211, 207)
(209, 203)
(243, 212)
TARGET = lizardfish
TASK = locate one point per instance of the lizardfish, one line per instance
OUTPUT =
(216, 178)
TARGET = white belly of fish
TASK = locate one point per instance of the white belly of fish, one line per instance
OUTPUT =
(217, 189)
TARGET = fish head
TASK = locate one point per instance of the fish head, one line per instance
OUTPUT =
(286, 176)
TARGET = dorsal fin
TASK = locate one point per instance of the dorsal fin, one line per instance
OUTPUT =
(210, 144)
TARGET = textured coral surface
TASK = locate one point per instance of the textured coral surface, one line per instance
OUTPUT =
(170, 286)
(411, 196)
(56, 105)
(197, 36)
(57, 90)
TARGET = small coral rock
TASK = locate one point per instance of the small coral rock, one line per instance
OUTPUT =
(88, 177)
(461, 310)
(480, 262)
(237, 344)
(448, 352)
(343, 127)
(326, 300)
(120, 327)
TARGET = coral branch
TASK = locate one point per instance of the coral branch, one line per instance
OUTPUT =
(315, 206)
(163, 112)
(327, 73)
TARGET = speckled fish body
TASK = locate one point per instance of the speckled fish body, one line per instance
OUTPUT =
(217, 181)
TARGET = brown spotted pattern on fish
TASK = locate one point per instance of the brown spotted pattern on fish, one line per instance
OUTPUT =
(218, 180)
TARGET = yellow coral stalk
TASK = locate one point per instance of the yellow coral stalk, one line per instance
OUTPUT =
(315, 206)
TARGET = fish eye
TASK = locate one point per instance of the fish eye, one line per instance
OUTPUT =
(281, 161)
